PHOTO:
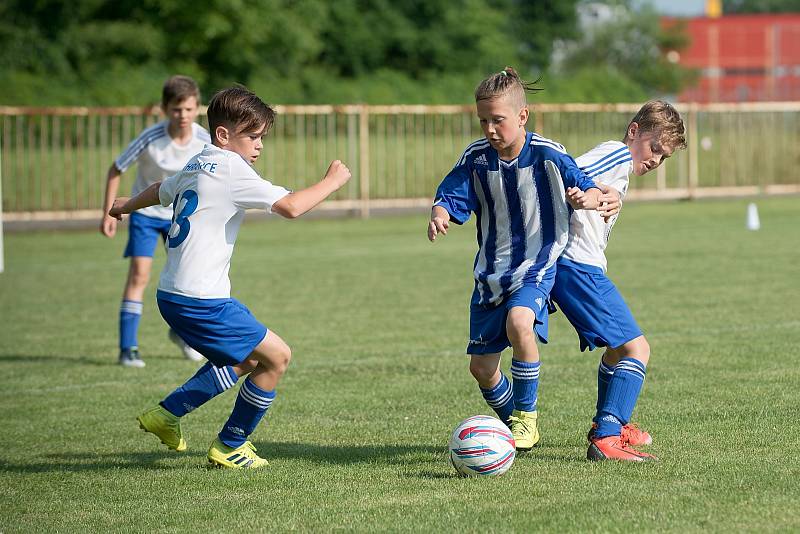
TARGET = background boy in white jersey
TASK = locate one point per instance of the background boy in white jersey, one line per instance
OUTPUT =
(590, 300)
(517, 183)
(210, 197)
(159, 151)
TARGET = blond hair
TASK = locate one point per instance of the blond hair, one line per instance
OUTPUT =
(505, 83)
(663, 119)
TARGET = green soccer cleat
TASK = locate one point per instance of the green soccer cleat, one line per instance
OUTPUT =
(243, 457)
(165, 426)
(524, 429)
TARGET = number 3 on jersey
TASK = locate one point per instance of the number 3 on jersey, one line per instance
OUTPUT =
(181, 220)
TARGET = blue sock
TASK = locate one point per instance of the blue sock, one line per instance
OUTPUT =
(251, 405)
(500, 398)
(604, 374)
(130, 311)
(525, 384)
(623, 392)
(208, 382)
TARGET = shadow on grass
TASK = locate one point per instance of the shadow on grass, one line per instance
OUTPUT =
(60, 358)
(415, 457)
(85, 462)
(351, 454)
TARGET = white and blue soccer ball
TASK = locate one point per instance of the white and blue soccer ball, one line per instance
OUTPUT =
(482, 446)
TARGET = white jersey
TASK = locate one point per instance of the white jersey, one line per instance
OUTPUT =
(159, 156)
(610, 164)
(209, 196)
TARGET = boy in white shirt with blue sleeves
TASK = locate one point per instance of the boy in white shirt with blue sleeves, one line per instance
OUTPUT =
(158, 151)
(592, 303)
(209, 199)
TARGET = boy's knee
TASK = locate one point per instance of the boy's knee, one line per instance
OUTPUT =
(519, 326)
(139, 277)
(281, 359)
(638, 349)
(482, 372)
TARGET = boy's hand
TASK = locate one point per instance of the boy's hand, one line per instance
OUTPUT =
(338, 173)
(108, 226)
(438, 225)
(116, 210)
(610, 202)
(576, 198)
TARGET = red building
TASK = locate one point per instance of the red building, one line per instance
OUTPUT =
(742, 58)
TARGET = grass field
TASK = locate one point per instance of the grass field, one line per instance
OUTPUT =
(377, 318)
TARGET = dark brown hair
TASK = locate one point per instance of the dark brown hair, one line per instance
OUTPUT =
(664, 120)
(177, 89)
(506, 82)
(240, 110)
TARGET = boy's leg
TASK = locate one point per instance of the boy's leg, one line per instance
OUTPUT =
(494, 385)
(620, 399)
(209, 381)
(231, 448)
(525, 374)
(130, 311)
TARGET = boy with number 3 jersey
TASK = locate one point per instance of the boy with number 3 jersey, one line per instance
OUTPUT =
(209, 199)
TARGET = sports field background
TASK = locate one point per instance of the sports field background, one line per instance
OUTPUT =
(377, 319)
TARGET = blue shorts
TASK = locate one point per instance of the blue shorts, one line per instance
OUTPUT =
(593, 305)
(487, 324)
(222, 330)
(143, 232)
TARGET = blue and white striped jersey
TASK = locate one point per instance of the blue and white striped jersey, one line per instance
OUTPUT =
(609, 164)
(159, 156)
(520, 207)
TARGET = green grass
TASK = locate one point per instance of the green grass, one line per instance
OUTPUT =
(377, 318)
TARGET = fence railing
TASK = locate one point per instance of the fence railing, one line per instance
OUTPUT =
(54, 160)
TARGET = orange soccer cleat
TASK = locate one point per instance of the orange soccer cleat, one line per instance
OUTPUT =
(615, 448)
(631, 434)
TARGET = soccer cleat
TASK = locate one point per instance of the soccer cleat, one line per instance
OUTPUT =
(165, 426)
(614, 448)
(188, 352)
(524, 429)
(130, 358)
(242, 457)
(631, 434)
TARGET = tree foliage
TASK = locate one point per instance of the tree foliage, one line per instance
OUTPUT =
(295, 51)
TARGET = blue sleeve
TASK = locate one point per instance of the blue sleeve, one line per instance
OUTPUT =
(573, 176)
(456, 195)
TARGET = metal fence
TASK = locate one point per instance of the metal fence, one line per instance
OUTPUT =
(54, 160)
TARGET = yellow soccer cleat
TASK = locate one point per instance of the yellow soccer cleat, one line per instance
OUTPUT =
(243, 457)
(524, 429)
(165, 426)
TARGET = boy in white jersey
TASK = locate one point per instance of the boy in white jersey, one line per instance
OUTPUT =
(518, 185)
(159, 151)
(209, 198)
(590, 300)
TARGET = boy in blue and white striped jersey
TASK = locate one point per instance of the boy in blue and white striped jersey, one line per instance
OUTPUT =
(519, 185)
(159, 151)
(592, 303)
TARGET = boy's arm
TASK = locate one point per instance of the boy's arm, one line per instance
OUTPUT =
(299, 202)
(125, 205)
(108, 224)
(439, 223)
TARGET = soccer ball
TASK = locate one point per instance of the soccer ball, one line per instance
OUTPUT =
(482, 446)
